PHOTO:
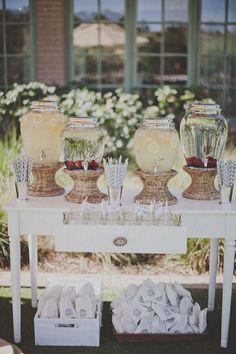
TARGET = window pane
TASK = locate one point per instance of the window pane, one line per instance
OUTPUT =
(175, 70)
(176, 39)
(176, 10)
(150, 10)
(231, 70)
(149, 70)
(1, 39)
(86, 70)
(17, 39)
(231, 104)
(85, 10)
(1, 72)
(212, 70)
(112, 38)
(212, 39)
(85, 36)
(17, 10)
(149, 38)
(231, 40)
(0, 11)
(232, 11)
(112, 70)
(213, 11)
(112, 10)
(18, 70)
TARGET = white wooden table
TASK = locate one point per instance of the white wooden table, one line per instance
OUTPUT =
(44, 216)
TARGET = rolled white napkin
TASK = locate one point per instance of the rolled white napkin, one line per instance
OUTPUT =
(50, 309)
(67, 309)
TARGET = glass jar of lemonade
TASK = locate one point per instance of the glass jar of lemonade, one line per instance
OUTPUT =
(41, 128)
(156, 144)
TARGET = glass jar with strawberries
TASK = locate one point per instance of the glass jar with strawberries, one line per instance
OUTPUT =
(203, 134)
(82, 144)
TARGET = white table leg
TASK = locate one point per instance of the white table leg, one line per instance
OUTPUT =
(15, 285)
(33, 259)
(227, 290)
(214, 245)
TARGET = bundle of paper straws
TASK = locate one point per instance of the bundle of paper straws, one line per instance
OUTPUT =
(226, 170)
(22, 167)
(115, 172)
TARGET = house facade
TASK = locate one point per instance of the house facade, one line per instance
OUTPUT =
(134, 44)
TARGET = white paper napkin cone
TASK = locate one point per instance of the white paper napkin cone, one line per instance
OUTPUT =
(180, 324)
(67, 309)
(50, 309)
(84, 307)
(54, 292)
(88, 290)
(162, 289)
(136, 312)
(192, 324)
(127, 324)
(70, 292)
(172, 295)
(117, 324)
(145, 325)
(202, 321)
(158, 326)
(181, 291)
(186, 305)
(196, 313)
(41, 303)
(163, 312)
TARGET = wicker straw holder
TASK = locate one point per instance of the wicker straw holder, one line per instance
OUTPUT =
(202, 185)
(44, 184)
(85, 185)
(155, 188)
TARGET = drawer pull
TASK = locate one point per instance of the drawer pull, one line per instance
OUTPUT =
(120, 241)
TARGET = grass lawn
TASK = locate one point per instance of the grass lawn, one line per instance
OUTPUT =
(109, 345)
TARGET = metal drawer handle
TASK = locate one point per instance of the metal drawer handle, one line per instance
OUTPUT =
(120, 241)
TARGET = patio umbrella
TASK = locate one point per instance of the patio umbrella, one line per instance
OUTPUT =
(87, 35)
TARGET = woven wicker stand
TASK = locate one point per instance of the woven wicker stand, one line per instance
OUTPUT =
(44, 184)
(155, 188)
(202, 186)
(85, 185)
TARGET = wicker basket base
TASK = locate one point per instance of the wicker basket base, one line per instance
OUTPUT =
(85, 185)
(44, 184)
(202, 185)
(155, 188)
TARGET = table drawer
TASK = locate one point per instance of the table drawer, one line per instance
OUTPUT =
(120, 238)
